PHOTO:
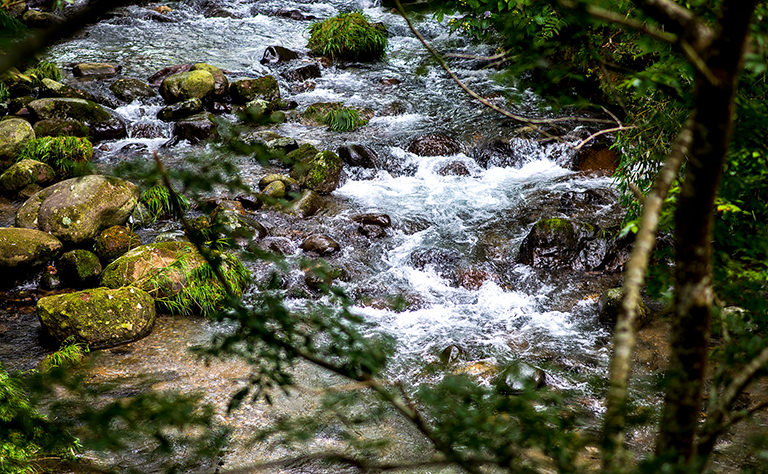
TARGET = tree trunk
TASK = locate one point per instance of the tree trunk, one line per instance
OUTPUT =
(694, 218)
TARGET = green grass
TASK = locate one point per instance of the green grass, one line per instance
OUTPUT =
(348, 36)
(346, 119)
(70, 354)
(43, 70)
(158, 202)
(66, 155)
(4, 93)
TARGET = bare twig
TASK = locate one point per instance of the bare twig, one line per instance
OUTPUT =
(601, 132)
(495, 57)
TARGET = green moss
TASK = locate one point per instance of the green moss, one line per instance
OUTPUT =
(304, 153)
(67, 155)
(555, 224)
(348, 36)
(158, 202)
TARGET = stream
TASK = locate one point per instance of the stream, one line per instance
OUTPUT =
(450, 252)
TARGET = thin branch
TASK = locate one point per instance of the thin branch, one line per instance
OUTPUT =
(698, 62)
(602, 132)
(614, 456)
(502, 55)
(475, 95)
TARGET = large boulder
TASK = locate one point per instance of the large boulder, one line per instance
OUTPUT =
(187, 85)
(220, 82)
(114, 242)
(26, 173)
(26, 249)
(102, 124)
(320, 173)
(434, 145)
(99, 317)
(77, 209)
(13, 134)
(61, 128)
(246, 90)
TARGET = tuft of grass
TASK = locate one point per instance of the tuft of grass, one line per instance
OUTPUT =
(4, 93)
(70, 354)
(66, 155)
(158, 202)
(345, 119)
(43, 70)
(349, 36)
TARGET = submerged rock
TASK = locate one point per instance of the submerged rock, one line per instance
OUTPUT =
(26, 249)
(99, 317)
(77, 209)
(101, 70)
(303, 73)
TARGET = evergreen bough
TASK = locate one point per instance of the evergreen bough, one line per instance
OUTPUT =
(349, 36)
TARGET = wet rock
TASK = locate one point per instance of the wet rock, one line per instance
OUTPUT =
(472, 279)
(79, 268)
(220, 82)
(248, 202)
(498, 153)
(576, 202)
(26, 249)
(304, 153)
(372, 231)
(308, 204)
(287, 181)
(146, 130)
(303, 73)
(560, 244)
(598, 159)
(321, 245)
(114, 242)
(51, 88)
(358, 155)
(95, 70)
(38, 19)
(130, 89)
(434, 145)
(196, 129)
(452, 354)
(103, 124)
(50, 280)
(609, 307)
(157, 78)
(454, 168)
(318, 275)
(99, 317)
(25, 173)
(187, 85)
(236, 226)
(273, 141)
(77, 209)
(519, 378)
(279, 245)
(376, 219)
(278, 54)
(246, 90)
(60, 128)
(274, 190)
(442, 261)
(321, 173)
(294, 15)
(315, 113)
(14, 133)
(179, 110)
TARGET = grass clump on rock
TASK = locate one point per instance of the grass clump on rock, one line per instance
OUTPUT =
(66, 155)
(346, 119)
(43, 70)
(158, 202)
(349, 36)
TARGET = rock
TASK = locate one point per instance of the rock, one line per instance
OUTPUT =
(515, 380)
(294, 15)
(434, 145)
(236, 225)
(114, 242)
(443, 261)
(179, 110)
(38, 19)
(60, 128)
(305, 152)
(320, 174)
(187, 85)
(195, 129)
(146, 129)
(303, 73)
(246, 90)
(454, 168)
(358, 155)
(315, 113)
(130, 89)
(26, 249)
(99, 317)
(50, 280)
(274, 141)
(452, 354)
(597, 159)
(274, 190)
(278, 54)
(609, 307)
(102, 124)
(279, 245)
(380, 220)
(288, 182)
(560, 244)
(372, 231)
(26, 173)
(14, 132)
(319, 244)
(79, 268)
(220, 82)
(157, 78)
(51, 88)
(76, 210)
(472, 279)
(307, 204)
(94, 70)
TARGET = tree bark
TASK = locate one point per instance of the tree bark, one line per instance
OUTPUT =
(694, 219)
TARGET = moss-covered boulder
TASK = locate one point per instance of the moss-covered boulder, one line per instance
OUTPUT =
(100, 317)
(60, 128)
(24, 174)
(26, 249)
(93, 70)
(51, 88)
(187, 85)
(102, 124)
(609, 307)
(79, 268)
(308, 204)
(181, 109)
(114, 242)
(196, 128)
(563, 244)
(13, 134)
(247, 90)
(321, 173)
(179, 278)
(77, 209)
(350, 36)
(220, 82)
(129, 89)
(305, 152)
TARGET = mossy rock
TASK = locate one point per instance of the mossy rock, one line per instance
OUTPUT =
(102, 124)
(308, 204)
(99, 317)
(609, 307)
(563, 244)
(114, 242)
(26, 173)
(129, 89)
(179, 110)
(92, 70)
(196, 128)
(349, 36)
(187, 85)
(77, 209)
(320, 173)
(220, 83)
(51, 88)
(247, 90)
(177, 276)
(79, 267)
(26, 249)
(304, 153)
(14, 133)
(60, 128)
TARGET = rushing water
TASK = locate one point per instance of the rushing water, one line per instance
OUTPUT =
(443, 226)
